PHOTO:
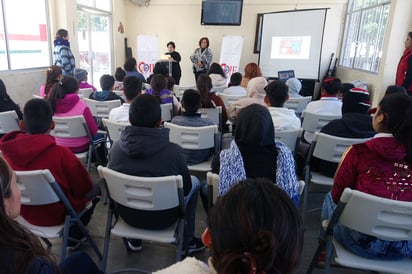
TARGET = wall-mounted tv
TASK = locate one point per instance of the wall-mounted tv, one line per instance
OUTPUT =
(220, 12)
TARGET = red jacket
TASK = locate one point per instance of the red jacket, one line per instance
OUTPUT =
(39, 151)
(376, 167)
(404, 71)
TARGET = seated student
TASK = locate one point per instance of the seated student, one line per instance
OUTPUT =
(132, 88)
(44, 153)
(144, 149)
(344, 88)
(106, 94)
(119, 76)
(158, 89)
(294, 87)
(276, 96)
(6, 103)
(253, 153)
(20, 250)
(65, 102)
(368, 167)
(218, 76)
(130, 66)
(170, 85)
(81, 76)
(191, 118)
(355, 123)
(251, 70)
(53, 76)
(234, 85)
(253, 228)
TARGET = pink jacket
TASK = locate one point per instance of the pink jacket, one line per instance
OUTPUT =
(376, 167)
(71, 105)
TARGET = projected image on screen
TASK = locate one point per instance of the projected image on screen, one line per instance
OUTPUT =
(292, 47)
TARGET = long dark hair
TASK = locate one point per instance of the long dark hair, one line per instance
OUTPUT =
(255, 226)
(66, 85)
(52, 77)
(158, 83)
(215, 68)
(397, 111)
(4, 96)
(21, 244)
(204, 85)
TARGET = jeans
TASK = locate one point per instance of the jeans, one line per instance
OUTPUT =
(190, 201)
(364, 245)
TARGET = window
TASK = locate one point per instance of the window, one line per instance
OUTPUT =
(365, 27)
(24, 43)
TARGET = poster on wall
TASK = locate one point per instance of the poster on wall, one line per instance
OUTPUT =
(147, 54)
(230, 54)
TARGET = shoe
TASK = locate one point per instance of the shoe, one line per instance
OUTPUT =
(195, 245)
(134, 245)
(74, 244)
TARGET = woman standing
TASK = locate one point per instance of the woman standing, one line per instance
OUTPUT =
(404, 72)
(201, 57)
(175, 58)
(63, 56)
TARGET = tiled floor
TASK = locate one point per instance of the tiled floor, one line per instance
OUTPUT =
(156, 256)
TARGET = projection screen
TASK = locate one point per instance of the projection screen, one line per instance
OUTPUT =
(292, 40)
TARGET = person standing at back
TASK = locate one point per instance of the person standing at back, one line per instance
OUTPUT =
(404, 71)
(63, 56)
(201, 57)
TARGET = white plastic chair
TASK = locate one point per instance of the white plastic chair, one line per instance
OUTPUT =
(101, 109)
(298, 104)
(229, 99)
(167, 112)
(75, 127)
(113, 129)
(145, 194)
(38, 187)
(213, 114)
(328, 148)
(85, 92)
(212, 188)
(194, 138)
(313, 122)
(290, 137)
(371, 215)
(9, 121)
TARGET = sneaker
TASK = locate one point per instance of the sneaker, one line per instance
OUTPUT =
(195, 245)
(74, 244)
(134, 245)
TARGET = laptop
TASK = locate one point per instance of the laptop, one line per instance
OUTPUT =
(286, 74)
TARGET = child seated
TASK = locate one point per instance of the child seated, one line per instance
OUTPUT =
(106, 94)
(81, 76)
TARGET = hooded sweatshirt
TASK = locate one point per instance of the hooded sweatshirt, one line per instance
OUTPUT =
(39, 151)
(147, 152)
(368, 167)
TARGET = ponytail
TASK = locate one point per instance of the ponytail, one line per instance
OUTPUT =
(66, 85)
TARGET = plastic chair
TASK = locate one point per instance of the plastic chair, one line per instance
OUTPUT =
(194, 138)
(290, 138)
(229, 99)
(146, 194)
(9, 121)
(113, 129)
(328, 148)
(313, 122)
(375, 216)
(38, 187)
(298, 104)
(213, 114)
(101, 109)
(85, 92)
(75, 127)
(212, 188)
(167, 112)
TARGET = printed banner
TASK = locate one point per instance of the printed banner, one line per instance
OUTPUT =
(230, 54)
(147, 54)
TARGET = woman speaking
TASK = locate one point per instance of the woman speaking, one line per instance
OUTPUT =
(201, 57)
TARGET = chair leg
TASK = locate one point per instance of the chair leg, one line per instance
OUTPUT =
(107, 240)
(315, 258)
(89, 239)
(181, 243)
(48, 243)
(66, 229)
(329, 250)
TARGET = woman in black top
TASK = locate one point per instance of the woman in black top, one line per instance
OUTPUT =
(175, 56)
(6, 103)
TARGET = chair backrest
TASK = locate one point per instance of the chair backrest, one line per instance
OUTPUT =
(192, 138)
(330, 148)
(70, 127)
(213, 183)
(101, 109)
(144, 193)
(313, 122)
(298, 104)
(213, 114)
(167, 111)
(85, 92)
(35, 187)
(289, 137)
(9, 121)
(376, 216)
(229, 99)
(113, 128)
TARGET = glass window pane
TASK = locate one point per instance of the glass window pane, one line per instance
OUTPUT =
(29, 45)
(103, 5)
(3, 52)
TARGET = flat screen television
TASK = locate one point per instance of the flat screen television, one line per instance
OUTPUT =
(219, 12)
